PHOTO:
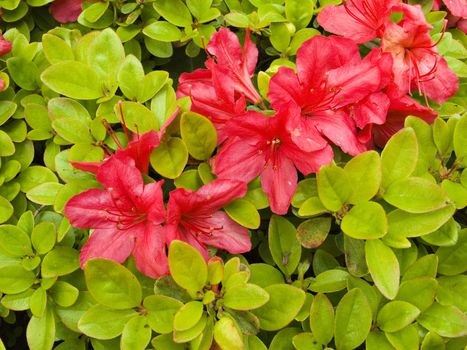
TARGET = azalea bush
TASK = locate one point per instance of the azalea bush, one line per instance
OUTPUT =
(233, 174)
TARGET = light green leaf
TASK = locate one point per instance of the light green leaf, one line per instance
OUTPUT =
(161, 312)
(111, 284)
(174, 11)
(364, 174)
(399, 157)
(383, 266)
(247, 297)
(73, 79)
(243, 212)
(366, 220)
(187, 266)
(313, 232)
(285, 301)
(40, 332)
(334, 188)
(353, 320)
(322, 318)
(396, 315)
(446, 320)
(416, 195)
(169, 158)
(199, 135)
(283, 244)
(136, 334)
(101, 322)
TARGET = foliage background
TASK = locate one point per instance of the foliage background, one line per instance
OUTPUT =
(381, 264)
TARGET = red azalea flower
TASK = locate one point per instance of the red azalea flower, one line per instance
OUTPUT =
(5, 46)
(233, 62)
(139, 149)
(196, 218)
(126, 218)
(417, 64)
(359, 20)
(261, 145)
(457, 8)
(212, 97)
(330, 76)
(66, 11)
(399, 109)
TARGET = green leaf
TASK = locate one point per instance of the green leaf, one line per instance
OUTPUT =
(264, 275)
(406, 338)
(416, 195)
(15, 279)
(130, 76)
(162, 31)
(396, 315)
(283, 244)
(24, 72)
(63, 293)
(56, 49)
(322, 318)
(7, 147)
(169, 158)
(334, 188)
(95, 11)
(34, 176)
(43, 237)
(460, 140)
(456, 192)
(299, 12)
(105, 56)
(311, 207)
(383, 266)
(139, 118)
(285, 301)
(243, 212)
(354, 250)
(453, 260)
(452, 291)
(364, 174)
(18, 301)
(40, 332)
(6, 209)
(366, 220)
(101, 322)
(188, 316)
(280, 36)
(445, 320)
(313, 232)
(187, 267)
(174, 11)
(399, 157)
(14, 242)
(426, 266)
(247, 297)
(73, 79)
(136, 334)
(447, 235)
(305, 189)
(38, 302)
(329, 281)
(426, 146)
(433, 341)
(283, 339)
(165, 342)
(60, 261)
(7, 109)
(192, 333)
(227, 335)
(407, 224)
(161, 311)
(199, 135)
(353, 320)
(306, 341)
(111, 284)
(418, 291)
(377, 341)
(152, 83)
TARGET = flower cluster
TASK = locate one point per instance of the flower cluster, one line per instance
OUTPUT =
(333, 97)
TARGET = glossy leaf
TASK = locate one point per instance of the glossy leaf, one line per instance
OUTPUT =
(366, 220)
(111, 284)
(353, 320)
(383, 266)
